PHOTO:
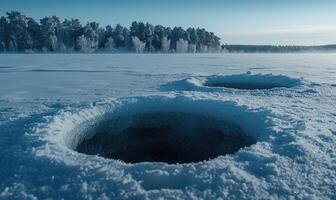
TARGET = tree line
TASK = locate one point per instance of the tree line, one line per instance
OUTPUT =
(19, 33)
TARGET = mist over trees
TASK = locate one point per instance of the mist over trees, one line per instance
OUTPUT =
(19, 33)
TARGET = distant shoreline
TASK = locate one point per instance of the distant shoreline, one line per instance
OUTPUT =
(162, 53)
(278, 48)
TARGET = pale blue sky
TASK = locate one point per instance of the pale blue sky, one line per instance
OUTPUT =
(303, 22)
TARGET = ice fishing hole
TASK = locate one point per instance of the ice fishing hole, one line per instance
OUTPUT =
(170, 137)
(251, 82)
(244, 85)
(245, 81)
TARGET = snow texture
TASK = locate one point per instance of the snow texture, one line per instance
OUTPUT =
(51, 103)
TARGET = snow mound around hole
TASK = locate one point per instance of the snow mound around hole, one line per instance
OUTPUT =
(238, 81)
(170, 129)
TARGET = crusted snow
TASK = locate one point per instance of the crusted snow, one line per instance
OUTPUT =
(46, 100)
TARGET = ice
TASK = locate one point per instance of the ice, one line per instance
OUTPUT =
(51, 103)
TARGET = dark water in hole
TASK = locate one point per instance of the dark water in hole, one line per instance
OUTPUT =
(167, 137)
(246, 86)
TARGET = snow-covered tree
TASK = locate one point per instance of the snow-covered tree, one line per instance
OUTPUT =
(50, 27)
(194, 38)
(203, 48)
(81, 44)
(149, 35)
(101, 38)
(2, 47)
(108, 33)
(64, 36)
(109, 45)
(91, 36)
(177, 34)
(118, 36)
(181, 46)
(35, 34)
(63, 48)
(17, 30)
(86, 45)
(159, 33)
(134, 29)
(12, 46)
(192, 48)
(127, 38)
(165, 44)
(75, 31)
(54, 43)
(138, 44)
(3, 33)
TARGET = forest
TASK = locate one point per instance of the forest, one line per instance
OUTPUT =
(20, 33)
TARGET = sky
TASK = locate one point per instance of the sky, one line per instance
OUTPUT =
(280, 22)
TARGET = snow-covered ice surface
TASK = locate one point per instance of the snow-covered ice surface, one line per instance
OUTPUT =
(51, 102)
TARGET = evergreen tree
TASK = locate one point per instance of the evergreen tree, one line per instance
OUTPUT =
(193, 36)
(76, 31)
(118, 36)
(50, 28)
(3, 34)
(149, 32)
(65, 36)
(127, 38)
(18, 33)
(91, 38)
(158, 35)
(134, 29)
(35, 34)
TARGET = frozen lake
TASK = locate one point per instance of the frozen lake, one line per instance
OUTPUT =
(282, 104)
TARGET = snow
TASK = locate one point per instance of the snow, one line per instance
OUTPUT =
(49, 103)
